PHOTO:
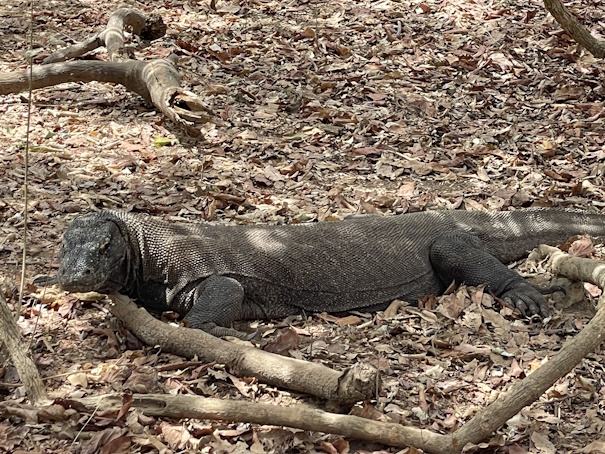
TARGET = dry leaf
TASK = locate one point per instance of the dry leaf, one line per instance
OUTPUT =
(78, 379)
(582, 247)
(284, 343)
(542, 443)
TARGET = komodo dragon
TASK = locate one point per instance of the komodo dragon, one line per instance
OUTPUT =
(216, 274)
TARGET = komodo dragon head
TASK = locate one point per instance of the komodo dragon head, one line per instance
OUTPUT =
(94, 256)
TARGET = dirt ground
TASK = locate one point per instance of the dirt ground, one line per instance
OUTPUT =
(329, 108)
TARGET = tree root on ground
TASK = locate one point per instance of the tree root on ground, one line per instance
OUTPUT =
(346, 388)
(299, 416)
(21, 355)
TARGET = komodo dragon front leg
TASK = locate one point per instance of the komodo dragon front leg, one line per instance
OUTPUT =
(218, 302)
(460, 256)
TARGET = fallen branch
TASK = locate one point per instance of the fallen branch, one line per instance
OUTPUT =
(575, 29)
(353, 385)
(21, 356)
(157, 81)
(112, 37)
(574, 268)
(298, 417)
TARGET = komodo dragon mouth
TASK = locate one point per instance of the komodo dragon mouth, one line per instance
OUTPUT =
(80, 286)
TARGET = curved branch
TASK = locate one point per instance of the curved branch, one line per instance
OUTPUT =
(123, 73)
(157, 81)
(112, 36)
(299, 417)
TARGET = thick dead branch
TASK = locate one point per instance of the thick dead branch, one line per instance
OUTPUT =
(157, 80)
(357, 383)
(574, 268)
(10, 335)
(125, 73)
(575, 29)
(299, 417)
(77, 50)
(113, 35)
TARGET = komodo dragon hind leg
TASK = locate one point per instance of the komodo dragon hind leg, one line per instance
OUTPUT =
(460, 256)
(219, 302)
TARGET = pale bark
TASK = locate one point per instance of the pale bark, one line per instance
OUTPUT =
(299, 417)
(355, 384)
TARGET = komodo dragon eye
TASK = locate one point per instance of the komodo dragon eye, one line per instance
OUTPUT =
(104, 245)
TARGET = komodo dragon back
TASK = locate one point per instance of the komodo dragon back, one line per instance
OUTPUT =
(362, 263)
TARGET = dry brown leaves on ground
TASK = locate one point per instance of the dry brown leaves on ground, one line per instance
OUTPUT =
(330, 108)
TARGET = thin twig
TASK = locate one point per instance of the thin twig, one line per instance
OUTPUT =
(26, 160)
(85, 424)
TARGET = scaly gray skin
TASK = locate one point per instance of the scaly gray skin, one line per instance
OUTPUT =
(214, 275)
